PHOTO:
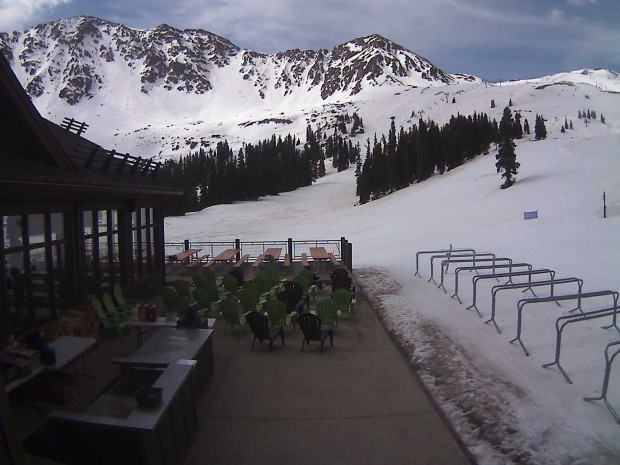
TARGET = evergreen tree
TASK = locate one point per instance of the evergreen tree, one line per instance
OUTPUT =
(540, 131)
(526, 127)
(492, 103)
(506, 156)
(518, 130)
(602, 118)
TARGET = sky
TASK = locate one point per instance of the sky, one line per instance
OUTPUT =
(504, 405)
(494, 40)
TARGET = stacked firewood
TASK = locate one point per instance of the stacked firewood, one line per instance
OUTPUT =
(82, 322)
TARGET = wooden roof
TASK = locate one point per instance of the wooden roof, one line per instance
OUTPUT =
(37, 159)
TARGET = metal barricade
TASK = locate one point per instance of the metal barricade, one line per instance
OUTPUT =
(528, 286)
(609, 359)
(579, 297)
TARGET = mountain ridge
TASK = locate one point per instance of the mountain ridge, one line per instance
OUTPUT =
(68, 57)
(163, 92)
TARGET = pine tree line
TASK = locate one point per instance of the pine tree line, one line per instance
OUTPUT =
(220, 176)
(272, 166)
(396, 161)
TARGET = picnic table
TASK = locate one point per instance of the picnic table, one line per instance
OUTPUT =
(273, 254)
(319, 254)
(226, 256)
(186, 256)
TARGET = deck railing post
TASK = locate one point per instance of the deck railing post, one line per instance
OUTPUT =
(349, 255)
(238, 247)
(186, 244)
(289, 246)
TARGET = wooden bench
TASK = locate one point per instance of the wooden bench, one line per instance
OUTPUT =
(287, 260)
(199, 261)
(241, 261)
(259, 260)
(333, 259)
(304, 260)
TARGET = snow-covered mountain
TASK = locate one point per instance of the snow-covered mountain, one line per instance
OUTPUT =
(67, 63)
(68, 58)
(163, 92)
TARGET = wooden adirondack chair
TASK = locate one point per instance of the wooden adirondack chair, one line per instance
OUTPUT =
(259, 324)
(311, 327)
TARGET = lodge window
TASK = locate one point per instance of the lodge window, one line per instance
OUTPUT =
(143, 235)
(35, 278)
(101, 250)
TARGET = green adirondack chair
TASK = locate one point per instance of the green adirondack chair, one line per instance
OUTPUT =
(125, 304)
(108, 322)
(231, 285)
(230, 311)
(276, 312)
(168, 295)
(111, 308)
(182, 288)
(248, 298)
(345, 301)
(327, 311)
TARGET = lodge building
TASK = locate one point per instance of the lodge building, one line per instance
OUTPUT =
(76, 218)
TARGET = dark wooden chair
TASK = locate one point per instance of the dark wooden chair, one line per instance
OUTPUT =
(338, 272)
(310, 325)
(238, 274)
(259, 324)
(292, 294)
(343, 282)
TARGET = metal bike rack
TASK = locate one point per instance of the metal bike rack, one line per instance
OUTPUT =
(475, 268)
(609, 359)
(449, 251)
(465, 257)
(579, 297)
(529, 273)
(510, 265)
(563, 321)
(528, 286)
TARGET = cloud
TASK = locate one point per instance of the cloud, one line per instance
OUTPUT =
(581, 2)
(482, 37)
(18, 14)
(556, 15)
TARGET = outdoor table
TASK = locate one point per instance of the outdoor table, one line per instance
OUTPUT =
(273, 254)
(319, 254)
(226, 256)
(67, 348)
(187, 255)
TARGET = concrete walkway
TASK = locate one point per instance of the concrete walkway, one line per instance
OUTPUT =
(357, 403)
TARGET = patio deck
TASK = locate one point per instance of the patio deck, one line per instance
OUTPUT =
(359, 402)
